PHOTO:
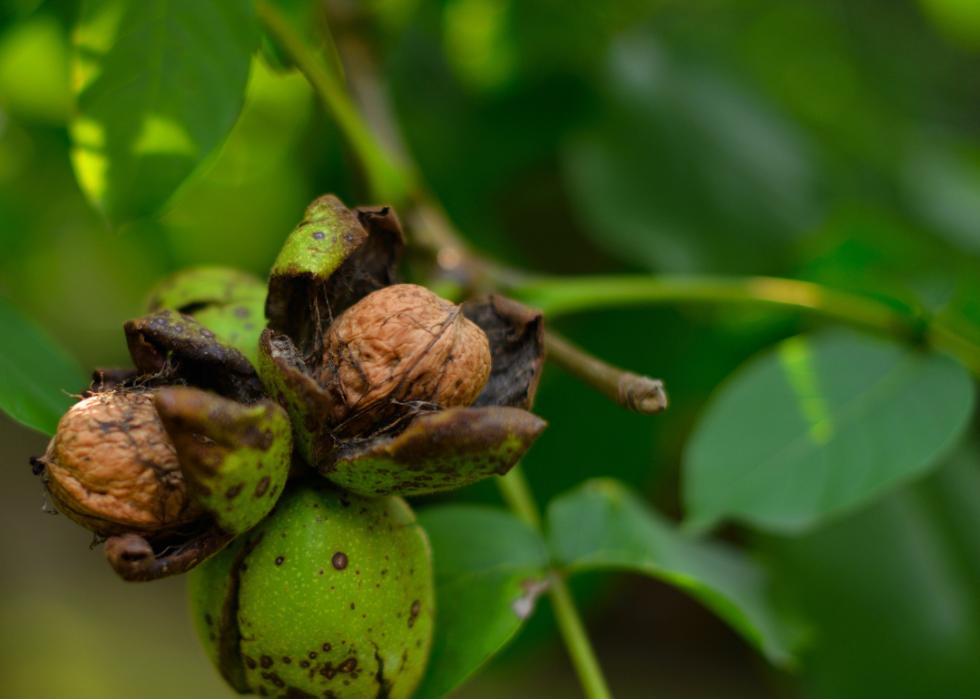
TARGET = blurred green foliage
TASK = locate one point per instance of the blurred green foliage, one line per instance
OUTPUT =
(830, 140)
(892, 593)
(36, 399)
(603, 526)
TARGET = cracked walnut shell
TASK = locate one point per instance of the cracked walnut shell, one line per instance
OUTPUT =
(113, 468)
(399, 350)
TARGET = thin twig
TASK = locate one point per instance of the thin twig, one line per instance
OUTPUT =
(639, 394)
(388, 180)
(432, 229)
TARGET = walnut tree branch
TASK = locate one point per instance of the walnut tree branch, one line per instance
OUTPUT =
(638, 394)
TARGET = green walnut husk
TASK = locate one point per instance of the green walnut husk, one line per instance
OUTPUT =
(335, 258)
(227, 301)
(235, 460)
(331, 597)
(239, 468)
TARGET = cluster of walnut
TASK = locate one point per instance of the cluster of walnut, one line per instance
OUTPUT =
(263, 446)
(113, 468)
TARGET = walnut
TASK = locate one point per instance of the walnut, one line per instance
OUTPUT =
(399, 350)
(113, 468)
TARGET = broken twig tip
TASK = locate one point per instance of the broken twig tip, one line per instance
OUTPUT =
(642, 394)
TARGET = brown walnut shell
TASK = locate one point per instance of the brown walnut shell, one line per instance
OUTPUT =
(398, 351)
(113, 468)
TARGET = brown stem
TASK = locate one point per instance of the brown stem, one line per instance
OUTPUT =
(367, 89)
(639, 394)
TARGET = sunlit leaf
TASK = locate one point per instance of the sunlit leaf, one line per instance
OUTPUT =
(40, 92)
(604, 525)
(159, 84)
(819, 425)
(36, 374)
(488, 568)
(958, 19)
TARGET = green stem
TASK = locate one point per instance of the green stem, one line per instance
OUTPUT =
(517, 494)
(573, 632)
(389, 182)
(556, 296)
(942, 337)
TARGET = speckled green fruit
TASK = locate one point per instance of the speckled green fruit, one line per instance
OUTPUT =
(330, 597)
(234, 457)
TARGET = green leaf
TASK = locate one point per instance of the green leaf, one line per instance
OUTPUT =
(159, 84)
(819, 425)
(36, 374)
(892, 593)
(488, 568)
(958, 20)
(40, 93)
(605, 525)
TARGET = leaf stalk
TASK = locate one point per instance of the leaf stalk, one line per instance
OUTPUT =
(558, 296)
(517, 494)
